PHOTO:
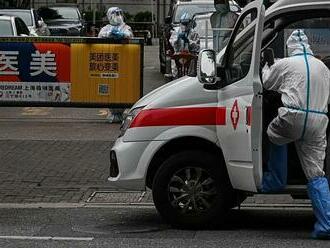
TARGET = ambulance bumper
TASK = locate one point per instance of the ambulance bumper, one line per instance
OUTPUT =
(125, 173)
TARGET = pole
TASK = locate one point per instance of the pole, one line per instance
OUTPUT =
(94, 16)
(152, 17)
(158, 17)
(164, 9)
(93, 11)
(152, 10)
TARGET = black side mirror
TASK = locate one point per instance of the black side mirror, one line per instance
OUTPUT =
(206, 69)
(168, 20)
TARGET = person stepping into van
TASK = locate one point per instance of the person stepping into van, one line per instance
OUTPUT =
(304, 82)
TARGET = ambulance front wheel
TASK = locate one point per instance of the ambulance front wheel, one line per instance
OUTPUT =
(191, 190)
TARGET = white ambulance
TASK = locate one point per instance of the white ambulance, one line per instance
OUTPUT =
(197, 142)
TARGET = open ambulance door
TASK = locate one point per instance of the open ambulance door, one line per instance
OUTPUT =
(240, 100)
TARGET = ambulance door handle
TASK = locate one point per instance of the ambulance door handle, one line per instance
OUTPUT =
(248, 115)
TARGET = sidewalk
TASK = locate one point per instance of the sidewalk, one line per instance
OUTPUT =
(52, 170)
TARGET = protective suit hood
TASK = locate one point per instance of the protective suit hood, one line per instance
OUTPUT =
(297, 43)
(115, 17)
(185, 22)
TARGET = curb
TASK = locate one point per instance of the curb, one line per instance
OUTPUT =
(143, 205)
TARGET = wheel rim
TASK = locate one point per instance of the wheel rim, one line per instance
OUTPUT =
(192, 190)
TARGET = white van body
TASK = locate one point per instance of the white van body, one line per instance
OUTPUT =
(223, 123)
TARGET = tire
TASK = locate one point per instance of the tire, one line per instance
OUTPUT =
(191, 190)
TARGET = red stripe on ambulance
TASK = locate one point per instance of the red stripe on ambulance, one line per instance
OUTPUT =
(181, 117)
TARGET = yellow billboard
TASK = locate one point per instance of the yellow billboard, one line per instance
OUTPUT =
(70, 71)
(105, 73)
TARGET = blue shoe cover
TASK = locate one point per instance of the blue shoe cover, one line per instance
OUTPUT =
(275, 179)
(318, 191)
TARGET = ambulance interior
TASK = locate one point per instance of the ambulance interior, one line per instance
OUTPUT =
(316, 24)
(274, 47)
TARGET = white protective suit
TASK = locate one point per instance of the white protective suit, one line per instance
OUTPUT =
(222, 22)
(191, 43)
(117, 28)
(303, 81)
(194, 41)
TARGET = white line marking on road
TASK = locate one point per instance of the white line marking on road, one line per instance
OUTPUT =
(74, 238)
(25, 237)
(48, 238)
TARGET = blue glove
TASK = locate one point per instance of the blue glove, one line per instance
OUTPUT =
(117, 34)
(183, 36)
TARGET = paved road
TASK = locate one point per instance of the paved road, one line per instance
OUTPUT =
(142, 227)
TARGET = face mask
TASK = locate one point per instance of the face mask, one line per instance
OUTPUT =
(223, 8)
(116, 20)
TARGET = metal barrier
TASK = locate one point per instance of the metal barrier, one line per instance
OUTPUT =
(70, 72)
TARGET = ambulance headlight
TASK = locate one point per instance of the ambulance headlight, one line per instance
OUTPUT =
(128, 117)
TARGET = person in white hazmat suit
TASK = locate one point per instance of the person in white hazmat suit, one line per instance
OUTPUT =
(117, 29)
(185, 38)
(222, 21)
(304, 84)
